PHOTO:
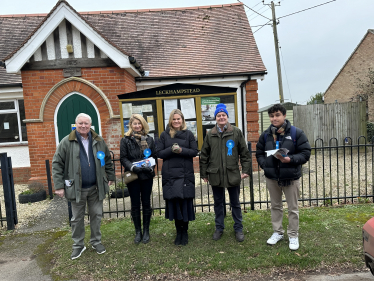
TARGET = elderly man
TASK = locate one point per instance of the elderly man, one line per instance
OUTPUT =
(82, 171)
(223, 147)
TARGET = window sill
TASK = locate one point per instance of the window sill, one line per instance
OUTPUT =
(9, 144)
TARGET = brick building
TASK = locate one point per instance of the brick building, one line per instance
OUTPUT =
(59, 64)
(344, 86)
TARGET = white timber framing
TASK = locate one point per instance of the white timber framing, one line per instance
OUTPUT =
(20, 58)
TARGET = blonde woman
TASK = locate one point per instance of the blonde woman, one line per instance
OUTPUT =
(134, 143)
(177, 147)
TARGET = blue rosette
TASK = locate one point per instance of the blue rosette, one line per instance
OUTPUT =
(147, 152)
(230, 145)
(101, 156)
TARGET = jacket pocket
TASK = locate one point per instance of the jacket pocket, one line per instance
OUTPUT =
(106, 185)
(233, 176)
(70, 190)
(213, 176)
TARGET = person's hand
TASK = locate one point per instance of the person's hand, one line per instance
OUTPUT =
(60, 192)
(147, 170)
(110, 183)
(205, 179)
(243, 176)
(284, 159)
(137, 170)
(178, 151)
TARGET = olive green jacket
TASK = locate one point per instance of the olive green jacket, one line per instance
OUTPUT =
(223, 170)
(66, 166)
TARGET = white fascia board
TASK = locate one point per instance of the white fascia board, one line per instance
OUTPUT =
(15, 63)
(232, 80)
(11, 93)
(18, 60)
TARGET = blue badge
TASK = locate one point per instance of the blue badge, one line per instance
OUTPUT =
(101, 155)
(147, 152)
(230, 145)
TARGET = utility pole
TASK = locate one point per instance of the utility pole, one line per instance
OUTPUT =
(280, 85)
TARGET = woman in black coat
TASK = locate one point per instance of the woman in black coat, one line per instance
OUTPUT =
(177, 147)
(133, 145)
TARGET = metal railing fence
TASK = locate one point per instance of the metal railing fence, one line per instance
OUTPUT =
(338, 173)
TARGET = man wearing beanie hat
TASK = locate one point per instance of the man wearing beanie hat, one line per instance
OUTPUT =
(224, 146)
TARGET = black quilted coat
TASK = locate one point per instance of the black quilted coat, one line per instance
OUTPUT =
(299, 154)
(178, 178)
(130, 152)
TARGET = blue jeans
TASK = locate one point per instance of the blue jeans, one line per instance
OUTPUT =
(218, 194)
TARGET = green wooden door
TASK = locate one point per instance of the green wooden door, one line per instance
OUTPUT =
(69, 109)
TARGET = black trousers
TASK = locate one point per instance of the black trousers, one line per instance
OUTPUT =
(140, 194)
(219, 195)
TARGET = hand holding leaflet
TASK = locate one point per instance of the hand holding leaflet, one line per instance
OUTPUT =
(277, 152)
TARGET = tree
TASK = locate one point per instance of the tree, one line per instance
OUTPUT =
(365, 85)
(317, 98)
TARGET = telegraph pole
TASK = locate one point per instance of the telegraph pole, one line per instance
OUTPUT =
(280, 85)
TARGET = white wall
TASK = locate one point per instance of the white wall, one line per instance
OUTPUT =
(19, 154)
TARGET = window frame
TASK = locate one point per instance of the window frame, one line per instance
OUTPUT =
(197, 98)
(9, 111)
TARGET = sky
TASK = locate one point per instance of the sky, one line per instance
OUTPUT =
(314, 44)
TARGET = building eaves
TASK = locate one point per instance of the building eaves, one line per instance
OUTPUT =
(45, 19)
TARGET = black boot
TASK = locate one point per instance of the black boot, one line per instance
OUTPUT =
(147, 214)
(185, 234)
(138, 226)
(178, 227)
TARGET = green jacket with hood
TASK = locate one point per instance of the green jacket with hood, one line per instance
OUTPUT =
(220, 169)
(66, 166)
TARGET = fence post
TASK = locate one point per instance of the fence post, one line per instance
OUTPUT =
(251, 177)
(49, 179)
(9, 197)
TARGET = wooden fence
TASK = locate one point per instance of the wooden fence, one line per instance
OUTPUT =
(334, 120)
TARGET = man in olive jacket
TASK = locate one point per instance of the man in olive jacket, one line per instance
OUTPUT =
(223, 147)
(80, 174)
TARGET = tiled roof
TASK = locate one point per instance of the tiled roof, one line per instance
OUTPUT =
(210, 40)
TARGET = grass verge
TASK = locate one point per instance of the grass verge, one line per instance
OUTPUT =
(329, 237)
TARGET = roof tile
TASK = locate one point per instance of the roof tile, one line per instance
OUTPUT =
(210, 40)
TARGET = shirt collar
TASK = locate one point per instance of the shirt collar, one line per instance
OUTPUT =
(224, 128)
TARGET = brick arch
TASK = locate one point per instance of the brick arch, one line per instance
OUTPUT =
(74, 84)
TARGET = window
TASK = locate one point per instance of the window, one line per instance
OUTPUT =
(12, 128)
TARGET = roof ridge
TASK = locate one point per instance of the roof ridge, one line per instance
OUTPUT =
(127, 11)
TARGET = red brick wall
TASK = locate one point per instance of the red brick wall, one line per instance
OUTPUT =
(252, 116)
(41, 136)
(20, 175)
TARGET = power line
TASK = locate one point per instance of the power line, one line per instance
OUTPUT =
(258, 10)
(257, 15)
(261, 26)
(284, 67)
(307, 9)
(254, 10)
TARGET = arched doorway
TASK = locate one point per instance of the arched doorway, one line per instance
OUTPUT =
(68, 108)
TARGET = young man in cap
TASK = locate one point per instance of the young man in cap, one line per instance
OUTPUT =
(219, 164)
(282, 173)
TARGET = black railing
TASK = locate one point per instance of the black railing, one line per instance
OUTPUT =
(9, 195)
(335, 174)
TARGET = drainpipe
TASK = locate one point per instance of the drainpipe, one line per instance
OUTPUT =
(244, 104)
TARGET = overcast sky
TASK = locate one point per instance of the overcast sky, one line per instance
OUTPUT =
(314, 44)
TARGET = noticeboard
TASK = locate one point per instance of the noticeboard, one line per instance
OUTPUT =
(197, 103)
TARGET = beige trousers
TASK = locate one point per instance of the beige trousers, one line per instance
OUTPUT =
(292, 195)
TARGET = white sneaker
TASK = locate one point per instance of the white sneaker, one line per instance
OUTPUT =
(274, 238)
(294, 243)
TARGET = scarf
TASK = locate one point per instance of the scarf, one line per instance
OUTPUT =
(280, 131)
(141, 139)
